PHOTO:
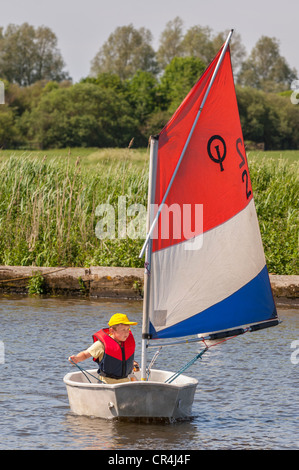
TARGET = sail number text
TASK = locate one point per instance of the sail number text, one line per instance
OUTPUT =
(245, 177)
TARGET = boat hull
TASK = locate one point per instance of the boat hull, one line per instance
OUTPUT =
(139, 399)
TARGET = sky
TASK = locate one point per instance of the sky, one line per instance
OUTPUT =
(82, 26)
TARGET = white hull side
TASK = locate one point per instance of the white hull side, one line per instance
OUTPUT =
(139, 399)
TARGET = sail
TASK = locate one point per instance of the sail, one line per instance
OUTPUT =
(208, 270)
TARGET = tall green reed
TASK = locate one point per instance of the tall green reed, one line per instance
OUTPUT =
(48, 210)
(276, 193)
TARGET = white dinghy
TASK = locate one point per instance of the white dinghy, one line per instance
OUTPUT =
(205, 276)
(148, 399)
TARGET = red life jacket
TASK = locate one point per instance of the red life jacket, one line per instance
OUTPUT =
(118, 360)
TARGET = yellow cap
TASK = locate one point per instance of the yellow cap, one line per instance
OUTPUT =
(118, 318)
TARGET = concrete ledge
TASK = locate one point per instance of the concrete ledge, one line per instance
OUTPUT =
(124, 283)
(110, 282)
(285, 289)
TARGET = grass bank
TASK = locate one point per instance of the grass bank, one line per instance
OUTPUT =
(49, 200)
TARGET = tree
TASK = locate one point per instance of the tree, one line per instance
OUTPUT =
(237, 49)
(142, 94)
(170, 42)
(178, 79)
(28, 55)
(265, 68)
(81, 115)
(198, 42)
(268, 118)
(9, 136)
(126, 51)
(107, 80)
(49, 63)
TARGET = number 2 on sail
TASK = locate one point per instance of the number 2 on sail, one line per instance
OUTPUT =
(244, 173)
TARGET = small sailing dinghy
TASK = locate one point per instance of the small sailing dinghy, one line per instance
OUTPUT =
(206, 274)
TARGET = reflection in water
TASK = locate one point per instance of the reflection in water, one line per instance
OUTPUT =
(246, 398)
(89, 433)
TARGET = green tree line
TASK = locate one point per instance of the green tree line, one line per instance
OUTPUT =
(132, 90)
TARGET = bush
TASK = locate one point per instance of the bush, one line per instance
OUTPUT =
(82, 115)
(36, 284)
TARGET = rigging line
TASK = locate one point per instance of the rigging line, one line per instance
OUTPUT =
(84, 372)
(182, 369)
(153, 360)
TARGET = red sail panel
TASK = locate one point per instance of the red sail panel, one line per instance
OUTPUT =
(214, 171)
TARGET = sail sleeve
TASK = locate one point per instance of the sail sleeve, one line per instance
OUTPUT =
(208, 269)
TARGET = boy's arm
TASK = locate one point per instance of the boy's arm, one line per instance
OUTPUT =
(81, 356)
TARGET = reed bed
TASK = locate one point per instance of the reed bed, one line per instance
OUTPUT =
(275, 184)
(48, 209)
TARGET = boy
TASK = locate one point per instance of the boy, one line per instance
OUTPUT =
(113, 349)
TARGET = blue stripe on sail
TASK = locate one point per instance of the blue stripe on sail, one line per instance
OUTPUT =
(250, 304)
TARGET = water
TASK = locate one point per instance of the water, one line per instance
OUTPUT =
(247, 396)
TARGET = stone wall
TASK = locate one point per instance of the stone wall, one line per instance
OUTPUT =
(122, 283)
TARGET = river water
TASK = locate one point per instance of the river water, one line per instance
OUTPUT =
(247, 397)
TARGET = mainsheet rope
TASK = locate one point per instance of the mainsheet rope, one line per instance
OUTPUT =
(84, 372)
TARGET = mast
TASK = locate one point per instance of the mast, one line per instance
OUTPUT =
(149, 233)
(147, 277)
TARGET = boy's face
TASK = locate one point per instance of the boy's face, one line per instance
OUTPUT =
(120, 332)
